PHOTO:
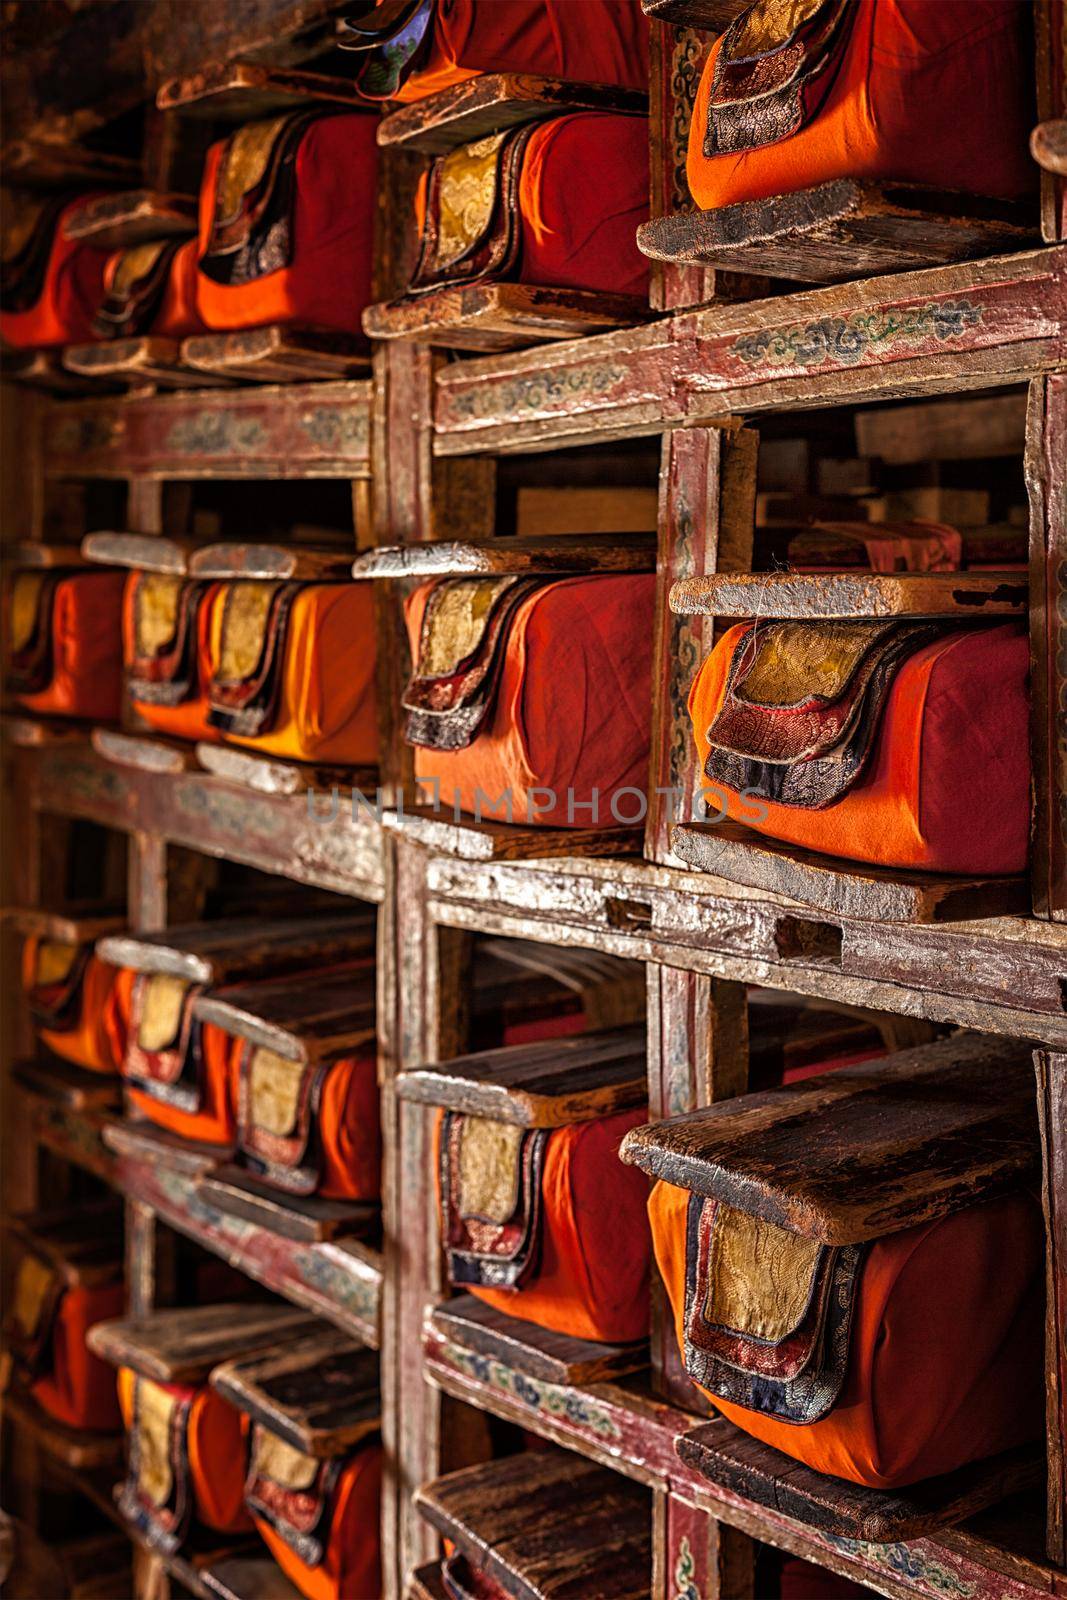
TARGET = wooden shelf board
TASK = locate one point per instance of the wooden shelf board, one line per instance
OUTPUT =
(843, 888)
(44, 370)
(309, 1017)
(76, 1134)
(141, 1140)
(527, 1348)
(274, 562)
(144, 753)
(277, 354)
(822, 597)
(76, 1449)
(201, 1552)
(84, 1245)
(57, 164)
(541, 1085)
(267, 775)
(714, 15)
(734, 1461)
(138, 216)
(839, 230)
(244, 91)
(495, 101)
(183, 1345)
(143, 360)
(251, 1577)
(305, 1217)
(319, 1392)
(42, 733)
(450, 834)
(500, 316)
(245, 947)
(68, 927)
(552, 556)
(36, 554)
(869, 1150)
(143, 552)
(69, 1086)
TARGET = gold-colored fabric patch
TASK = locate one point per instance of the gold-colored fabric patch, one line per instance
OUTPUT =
(246, 611)
(489, 1171)
(155, 1474)
(134, 264)
(55, 958)
(759, 1276)
(457, 624)
(244, 161)
(798, 660)
(273, 1458)
(275, 1091)
(25, 598)
(769, 23)
(155, 612)
(33, 1283)
(161, 1011)
(466, 197)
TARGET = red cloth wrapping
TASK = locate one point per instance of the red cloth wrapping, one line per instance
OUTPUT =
(80, 1388)
(327, 283)
(947, 784)
(86, 649)
(940, 95)
(70, 297)
(945, 1363)
(351, 1567)
(572, 709)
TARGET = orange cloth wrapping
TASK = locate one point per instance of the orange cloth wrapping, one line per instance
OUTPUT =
(600, 41)
(351, 1566)
(70, 295)
(89, 1043)
(80, 1388)
(945, 1350)
(327, 283)
(216, 1120)
(326, 705)
(947, 785)
(187, 719)
(216, 1444)
(350, 1130)
(86, 678)
(940, 95)
(591, 1278)
(571, 714)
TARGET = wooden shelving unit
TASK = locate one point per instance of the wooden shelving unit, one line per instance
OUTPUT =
(427, 448)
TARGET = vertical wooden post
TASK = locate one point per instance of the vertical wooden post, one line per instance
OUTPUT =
(1046, 482)
(1050, 27)
(694, 1557)
(676, 56)
(1052, 1114)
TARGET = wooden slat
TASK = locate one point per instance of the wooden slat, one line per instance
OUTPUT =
(541, 1085)
(277, 354)
(305, 1217)
(962, 596)
(44, 370)
(319, 1393)
(251, 1577)
(843, 888)
(182, 1345)
(141, 1140)
(492, 102)
(530, 1349)
(153, 754)
(67, 1085)
(243, 91)
(145, 552)
(214, 952)
(77, 1449)
(714, 15)
(500, 316)
(312, 1017)
(266, 775)
(734, 1461)
(865, 1151)
(498, 1515)
(839, 230)
(297, 562)
(558, 555)
(146, 359)
(453, 834)
(137, 216)
(1052, 1112)
(67, 927)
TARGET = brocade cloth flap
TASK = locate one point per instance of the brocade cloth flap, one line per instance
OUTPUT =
(490, 1177)
(137, 287)
(164, 1055)
(157, 1494)
(471, 231)
(255, 189)
(293, 1492)
(55, 996)
(163, 669)
(31, 1314)
(31, 641)
(278, 1109)
(247, 682)
(28, 234)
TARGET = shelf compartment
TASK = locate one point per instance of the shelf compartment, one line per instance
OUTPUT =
(843, 229)
(243, 91)
(555, 556)
(738, 1464)
(277, 354)
(495, 101)
(496, 1515)
(535, 1352)
(137, 216)
(500, 316)
(543, 1085)
(823, 597)
(730, 851)
(871, 1150)
(319, 1392)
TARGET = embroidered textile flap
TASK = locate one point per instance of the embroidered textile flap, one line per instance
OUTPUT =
(25, 600)
(466, 197)
(243, 167)
(155, 612)
(792, 663)
(275, 1090)
(759, 1276)
(54, 960)
(392, 37)
(470, 230)
(34, 1285)
(489, 1177)
(279, 1461)
(775, 67)
(454, 623)
(155, 1412)
(162, 1006)
(245, 614)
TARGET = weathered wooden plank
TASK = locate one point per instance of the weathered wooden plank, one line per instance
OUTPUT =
(540, 1085)
(852, 1155)
(277, 354)
(499, 316)
(821, 596)
(83, 1245)
(714, 15)
(182, 1345)
(268, 776)
(960, 429)
(146, 552)
(35, 553)
(279, 562)
(144, 360)
(245, 947)
(319, 1392)
(497, 1516)
(251, 1577)
(552, 556)
(306, 1217)
(1046, 483)
(140, 754)
(70, 1087)
(51, 164)
(492, 102)
(1052, 1114)
(311, 1017)
(68, 927)
(135, 216)
(244, 91)
(527, 1348)
(840, 887)
(453, 833)
(139, 1139)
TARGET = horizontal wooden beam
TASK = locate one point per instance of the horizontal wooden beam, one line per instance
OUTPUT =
(556, 555)
(852, 596)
